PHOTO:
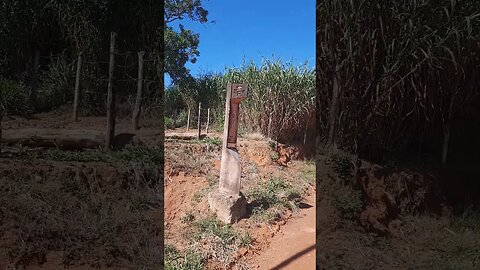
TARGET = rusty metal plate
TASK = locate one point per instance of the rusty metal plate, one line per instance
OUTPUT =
(239, 91)
(233, 125)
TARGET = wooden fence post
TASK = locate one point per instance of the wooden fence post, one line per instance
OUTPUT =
(77, 87)
(188, 119)
(174, 117)
(111, 95)
(208, 120)
(34, 79)
(138, 101)
(199, 123)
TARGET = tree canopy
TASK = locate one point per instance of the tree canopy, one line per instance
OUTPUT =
(181, 46)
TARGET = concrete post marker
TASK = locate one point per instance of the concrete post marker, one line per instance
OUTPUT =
(227, 201)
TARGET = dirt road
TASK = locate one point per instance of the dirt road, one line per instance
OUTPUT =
(294, 247)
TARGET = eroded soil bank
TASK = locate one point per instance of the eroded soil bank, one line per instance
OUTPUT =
(375, 217)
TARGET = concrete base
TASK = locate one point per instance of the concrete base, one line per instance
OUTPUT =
(228, 207)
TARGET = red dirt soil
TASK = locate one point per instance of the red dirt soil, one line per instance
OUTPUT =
(299, 236)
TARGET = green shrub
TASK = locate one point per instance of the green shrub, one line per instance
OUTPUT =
(273, 145)
(13, 97)
(349, 204)
(169, 123)
(343, 166)
(57, 85)
(181, 119)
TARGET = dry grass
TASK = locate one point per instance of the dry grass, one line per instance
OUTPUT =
(208, 240)
(254, 136)
(95, 214)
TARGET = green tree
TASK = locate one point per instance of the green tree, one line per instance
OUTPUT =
(181, 46)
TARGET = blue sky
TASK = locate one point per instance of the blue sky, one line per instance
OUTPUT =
(253, 30)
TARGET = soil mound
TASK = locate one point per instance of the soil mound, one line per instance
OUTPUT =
(388, 192)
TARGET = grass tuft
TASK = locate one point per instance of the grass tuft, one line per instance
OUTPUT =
(271, 198)
(190, 260)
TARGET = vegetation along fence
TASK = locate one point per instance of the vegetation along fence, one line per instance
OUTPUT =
(280, 105)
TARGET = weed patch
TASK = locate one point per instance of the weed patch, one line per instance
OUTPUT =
(220, 241)
(134, 154)
(190, 260)
(469, 219)
(271, 198)
(212, 140)
(187, 218)
(211, 226)
(274, 156)
(348, 204)
(265, 215)
(273, 192)
(343, 166)
(244, 240)
(199, 195)
(307, 173)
